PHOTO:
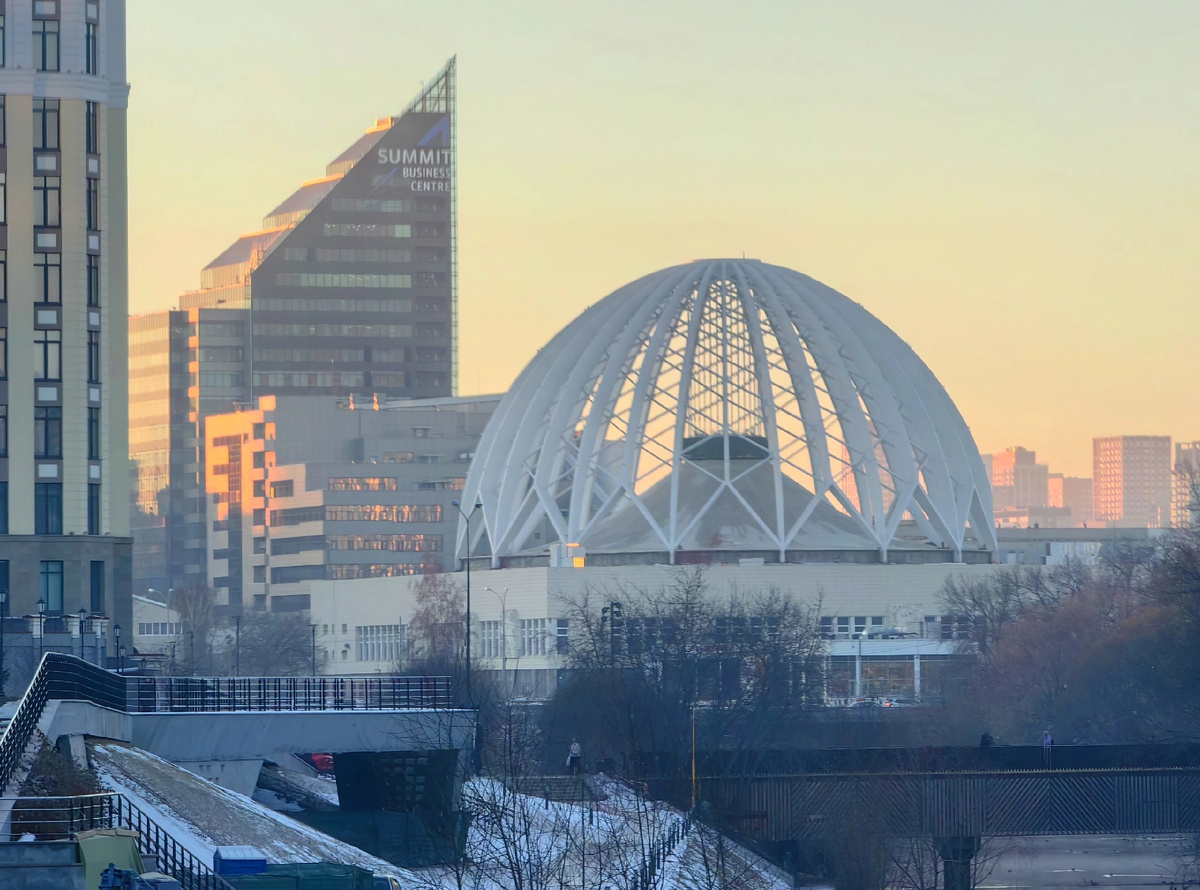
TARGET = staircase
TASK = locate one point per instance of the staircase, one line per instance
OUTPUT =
(566, 789)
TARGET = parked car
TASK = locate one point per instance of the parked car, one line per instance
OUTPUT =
(385, 882)
(863, 703)
(902, 703)
(322, 763)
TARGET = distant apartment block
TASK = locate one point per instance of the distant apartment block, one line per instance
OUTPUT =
(1073, 493)
(1018, 480)
(303, 489)
(1132, 480)
(1185, 486)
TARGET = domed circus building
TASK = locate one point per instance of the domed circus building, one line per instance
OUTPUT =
(725, 410)
(728, 414)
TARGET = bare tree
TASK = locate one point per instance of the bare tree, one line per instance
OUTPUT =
(275, 646)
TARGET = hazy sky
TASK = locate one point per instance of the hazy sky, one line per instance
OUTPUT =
(1013, 187)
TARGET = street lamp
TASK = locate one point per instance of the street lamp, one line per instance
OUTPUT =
(41, 607)
(82, 618)
(116, 639)
(99, 643)
(467, 518)
(121, 662)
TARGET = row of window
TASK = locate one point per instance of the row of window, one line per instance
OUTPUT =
(366, 230)
(47, 355)
(47, 508)
(47, 432)
(315, 379)
(534, 636)
(379, 642)
(335, 330)
(332, 304)
(353, 255)
(342, 279)
(357, 513)
(47, 131)
(160, 628)
(47, 276)
(361, 483)
(47, 54)
(51, 578)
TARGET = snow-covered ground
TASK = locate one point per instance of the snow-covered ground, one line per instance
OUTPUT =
(514, 840)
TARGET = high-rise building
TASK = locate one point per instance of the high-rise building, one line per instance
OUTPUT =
(304, 489)
(349, 288)
(64, 522)
(1185, 486)
(1132, 480)
(183, 366)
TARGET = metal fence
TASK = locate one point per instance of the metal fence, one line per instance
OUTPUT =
(62, 818)
(191, 694)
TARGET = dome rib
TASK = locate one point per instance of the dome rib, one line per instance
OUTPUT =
(727, 406)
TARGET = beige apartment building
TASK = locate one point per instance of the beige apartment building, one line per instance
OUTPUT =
(64, 519)
(1132, 480)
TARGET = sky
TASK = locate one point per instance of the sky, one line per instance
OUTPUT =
(1014, 188)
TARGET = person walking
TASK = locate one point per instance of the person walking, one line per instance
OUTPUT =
(1047, 748)
(986, 740)
(575, 758)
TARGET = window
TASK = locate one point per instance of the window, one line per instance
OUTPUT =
(341, 279)
(367, 230)
(47, 431)
(47, 355)
(97, 587)
(92, 127)
(533, 636)
(259, 489)
(4, 606)
(379, 642)
(258, 574)
(47, 277)
(93, 508)
(2, 33)
(93, 280)
(3, 430)
(284, 489)
(47, 508)
(260, 545)
(93, 430)
(93, 356)
(47, 201)
(91, 44)
(45, 124)
(399, 543)
(45, 45)
(3, 197)
(3, 353)
(93, 204)
(491, 639)
(52, 586)
(4, 524)
(563, 638)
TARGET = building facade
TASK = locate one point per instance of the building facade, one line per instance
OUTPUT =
(349, 288)
(183, 366)
(64, 523)
(1185, 486)
(1132, 480)
(304, 489)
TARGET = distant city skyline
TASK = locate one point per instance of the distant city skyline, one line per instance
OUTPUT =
(1014, 194)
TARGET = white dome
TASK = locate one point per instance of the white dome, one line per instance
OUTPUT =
(728, 406)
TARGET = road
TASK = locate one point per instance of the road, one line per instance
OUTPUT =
(1110, 862)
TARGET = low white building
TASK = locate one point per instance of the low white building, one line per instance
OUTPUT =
(521, 619)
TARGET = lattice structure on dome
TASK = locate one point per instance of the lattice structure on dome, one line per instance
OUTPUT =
(728, 405)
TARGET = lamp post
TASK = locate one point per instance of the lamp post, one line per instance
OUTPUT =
(99, 644)
(116, 639)
(41, 607)
(82, 618)
(467, 518)
(121, 662)
(3, 615)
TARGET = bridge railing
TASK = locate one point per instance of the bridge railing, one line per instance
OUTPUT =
(191, 694)
(63, 818)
